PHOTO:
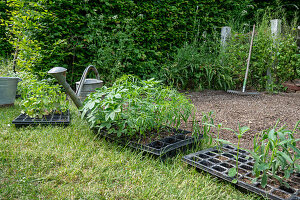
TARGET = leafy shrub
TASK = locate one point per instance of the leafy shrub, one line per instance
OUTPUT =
(40, 97)
(199, 66)
(135, 107)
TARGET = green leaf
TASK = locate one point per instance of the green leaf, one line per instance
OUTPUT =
(287, 174)
(118, 96)
(263, 166)
(232, 172)
(271, 135)
(243, 130)
(223, 141)
(264, 180)
(285, 156)
(112, 115)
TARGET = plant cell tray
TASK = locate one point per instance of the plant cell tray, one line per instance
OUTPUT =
(51, 119)
(218, 163)
(165, 147)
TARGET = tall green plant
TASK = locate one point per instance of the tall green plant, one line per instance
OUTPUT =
(233, 172)
(199, 66)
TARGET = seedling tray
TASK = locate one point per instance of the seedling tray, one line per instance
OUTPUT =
(218, 163)
(163, 148)
(51, 119)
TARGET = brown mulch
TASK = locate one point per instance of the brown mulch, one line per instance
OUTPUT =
(257, 112)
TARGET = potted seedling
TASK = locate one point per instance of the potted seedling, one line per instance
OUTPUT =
(142, 111)
(42, 102)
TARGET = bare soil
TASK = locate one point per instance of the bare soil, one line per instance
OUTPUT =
(257, 112)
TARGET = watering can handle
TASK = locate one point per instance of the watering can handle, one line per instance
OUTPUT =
(82, 80)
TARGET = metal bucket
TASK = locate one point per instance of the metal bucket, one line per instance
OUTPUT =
(8, 88)
(85, 86)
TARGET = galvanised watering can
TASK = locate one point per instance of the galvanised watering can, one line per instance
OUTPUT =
(83, 87)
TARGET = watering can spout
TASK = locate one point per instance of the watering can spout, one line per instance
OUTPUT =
(60, 74)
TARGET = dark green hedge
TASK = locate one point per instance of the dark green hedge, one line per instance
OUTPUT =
(118, 36)
(5, 46)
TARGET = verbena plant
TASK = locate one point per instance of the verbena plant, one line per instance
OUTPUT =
(275, 152)
(135, 107)
(40, 97)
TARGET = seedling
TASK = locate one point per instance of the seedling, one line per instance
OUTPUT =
(133, 107)
(40, 97)
(275, 152)
(204, 128)
(233, 172)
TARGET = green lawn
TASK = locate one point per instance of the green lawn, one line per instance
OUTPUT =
(70, 163)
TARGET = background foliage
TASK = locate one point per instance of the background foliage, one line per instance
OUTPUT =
(5, 47)
(173, 40)
(117, 36)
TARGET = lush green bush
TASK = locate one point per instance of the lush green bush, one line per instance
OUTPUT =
(163, 39)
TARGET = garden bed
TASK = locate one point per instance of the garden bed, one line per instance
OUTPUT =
(51, 119)
(218, 163)
(163, 146)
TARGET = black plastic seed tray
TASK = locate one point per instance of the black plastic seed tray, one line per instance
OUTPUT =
(218, 163)
(165, 147)
(51, 119)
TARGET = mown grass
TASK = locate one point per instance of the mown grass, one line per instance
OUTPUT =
(71, 163)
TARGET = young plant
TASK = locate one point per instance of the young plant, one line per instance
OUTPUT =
(233, 172)
(134, 107)
(274, 152)
(40, 97)
(204, 127)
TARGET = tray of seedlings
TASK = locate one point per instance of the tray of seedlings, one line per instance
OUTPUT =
(138, 113)
(166, 142)
(220, 162)
(42, 103)
(61, 118)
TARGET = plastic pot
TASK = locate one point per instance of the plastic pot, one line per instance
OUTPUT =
(8, 88)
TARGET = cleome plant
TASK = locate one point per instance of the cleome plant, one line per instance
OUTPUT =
(276, 154)
(134, 107)
(40, 97)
